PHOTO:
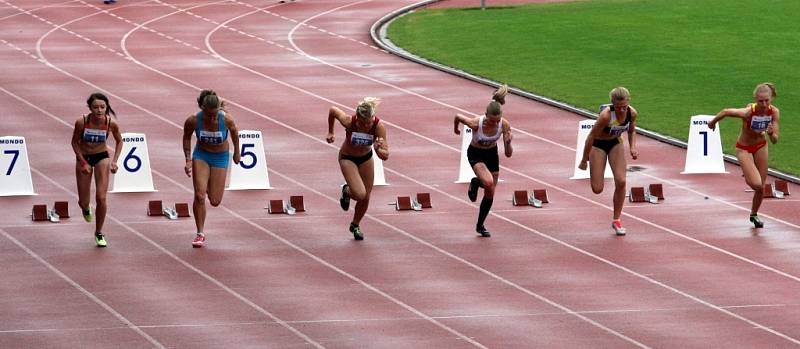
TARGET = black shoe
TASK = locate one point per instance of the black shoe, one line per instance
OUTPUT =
(484, 233)
(344, 200)
(474, 184)
(356, 230)
(756, 221)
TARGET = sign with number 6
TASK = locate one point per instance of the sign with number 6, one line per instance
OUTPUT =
(133, 173)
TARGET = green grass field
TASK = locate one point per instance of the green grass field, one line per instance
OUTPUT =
(677, 57)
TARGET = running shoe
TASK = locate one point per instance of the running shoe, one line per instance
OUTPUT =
(199, 241)
(109, 2)
(757, 222)
(100, 240)
(344, 200)
(474, 184)
(483, 232)
(617, 226)
(88, 214)
(356, 230)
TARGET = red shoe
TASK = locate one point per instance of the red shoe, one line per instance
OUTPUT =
(199, 241)
(617, 226)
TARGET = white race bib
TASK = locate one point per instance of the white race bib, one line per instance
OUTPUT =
(358, 138)
(759, 123)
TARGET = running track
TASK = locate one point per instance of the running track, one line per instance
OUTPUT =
(691, 273)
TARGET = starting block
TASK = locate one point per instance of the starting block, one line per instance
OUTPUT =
(275, 206)
(61, 208)
(182, 209)
(782, 186)
(154, 208)
(535, 199)
(541, 195)
(520, 198)
(772, 192)
(39, 213)
(638, 194)
(296, 201)
(656, 190)
(294, 205)
(403, 203)
(424, 200)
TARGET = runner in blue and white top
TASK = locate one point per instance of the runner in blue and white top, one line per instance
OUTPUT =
(89, 144)
(209, 161)
(482, 152)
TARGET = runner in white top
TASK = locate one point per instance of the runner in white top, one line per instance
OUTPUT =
(482, 152)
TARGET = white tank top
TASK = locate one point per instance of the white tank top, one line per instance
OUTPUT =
(479, 138)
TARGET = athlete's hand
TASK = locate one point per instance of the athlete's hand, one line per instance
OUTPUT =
(583, 165)
(188, 168)
(771, 129)
(114, 167)
(634, 153)
(379, 142)
(330, 138)
(712, 125)
(86, 169)
(456, 130)
(237, 157)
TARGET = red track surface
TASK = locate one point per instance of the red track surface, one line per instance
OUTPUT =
(690, 273)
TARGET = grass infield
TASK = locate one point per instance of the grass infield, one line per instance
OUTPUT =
(677, 57)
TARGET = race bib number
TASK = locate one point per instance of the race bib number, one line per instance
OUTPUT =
(209, 137)
(617, 130)
(358, 138)
(91, 135)
(759, 123)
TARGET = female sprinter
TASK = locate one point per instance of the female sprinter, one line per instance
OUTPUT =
(482, 152)
(604, 143)
(89, 144)
(209, 160)
(759, 120)
(363, 132)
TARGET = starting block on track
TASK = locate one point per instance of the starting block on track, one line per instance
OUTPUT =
(39, 213)
(771, 192)
(275, 206)
(61, 208)
(406, 203)
(782, 186)
(296, 201)
(638, 194)
(403, 203)
(182, 209)
(154, 208)
(535, 199)
(541, 195)
(656, 190)
(424, 200)
(520, 198)
(294, 205)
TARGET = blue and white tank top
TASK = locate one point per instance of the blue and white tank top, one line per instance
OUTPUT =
(211, 137)
(93, 135)
(481, 139)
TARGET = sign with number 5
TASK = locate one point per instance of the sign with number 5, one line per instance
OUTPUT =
(251, 172)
